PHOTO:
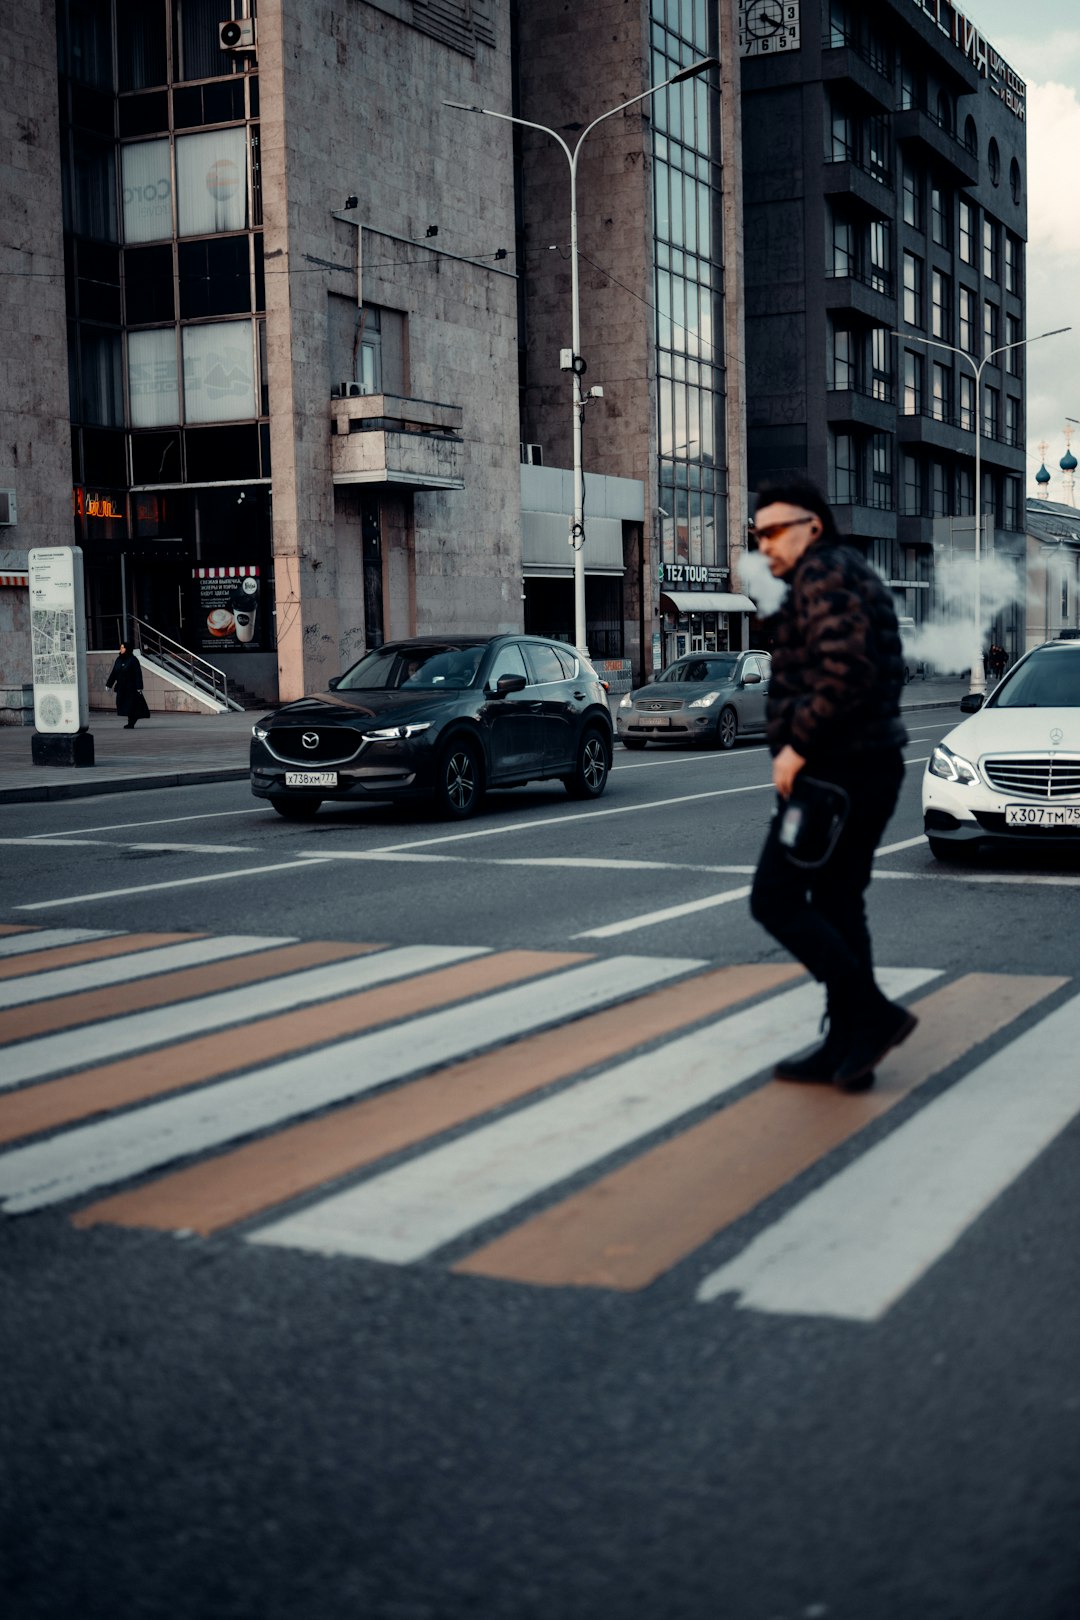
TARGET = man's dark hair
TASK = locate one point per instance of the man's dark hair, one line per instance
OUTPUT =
(803, 492)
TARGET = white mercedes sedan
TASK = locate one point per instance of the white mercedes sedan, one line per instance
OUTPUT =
(1011, 771)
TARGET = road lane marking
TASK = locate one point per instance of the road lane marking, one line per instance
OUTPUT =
(174, 883)
(649, 919)
(147, 955)
(207, 1057)
(200, 1000)
(905, 843)
(409, 1212)
(236, 1186)
(855, 1245)
(631, 1226)
(92, 1156)
(1047, 880)
(574, 862)
(156, 821)
(46, 939)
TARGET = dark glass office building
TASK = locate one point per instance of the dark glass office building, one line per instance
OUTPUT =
(884, 193)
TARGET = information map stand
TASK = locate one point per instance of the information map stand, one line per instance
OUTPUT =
(58, 651)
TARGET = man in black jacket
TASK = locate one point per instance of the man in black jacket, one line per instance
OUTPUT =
(833, 717)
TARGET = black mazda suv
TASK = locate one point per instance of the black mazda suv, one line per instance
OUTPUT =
(442, 718)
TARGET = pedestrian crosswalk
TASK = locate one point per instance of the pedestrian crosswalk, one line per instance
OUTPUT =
(544, 1118)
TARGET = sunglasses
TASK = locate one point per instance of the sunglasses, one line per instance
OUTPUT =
(771, 530)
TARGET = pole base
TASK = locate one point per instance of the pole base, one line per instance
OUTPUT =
(62, 748)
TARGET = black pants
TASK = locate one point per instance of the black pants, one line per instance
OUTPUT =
(820, 916)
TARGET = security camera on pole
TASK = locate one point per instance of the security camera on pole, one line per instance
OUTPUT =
(570, 359)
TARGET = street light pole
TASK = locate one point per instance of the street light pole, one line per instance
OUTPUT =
(576, 363)
(978, 678)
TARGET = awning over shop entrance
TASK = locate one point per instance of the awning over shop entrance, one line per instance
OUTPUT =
(708, 602)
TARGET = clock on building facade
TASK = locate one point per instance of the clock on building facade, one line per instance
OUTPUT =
(768, 26)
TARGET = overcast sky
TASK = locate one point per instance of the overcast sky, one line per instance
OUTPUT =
(1041, 41)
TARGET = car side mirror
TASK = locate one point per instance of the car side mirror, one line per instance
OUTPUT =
(751, 679)
(333, 683)
(509, 683)
(971, 702)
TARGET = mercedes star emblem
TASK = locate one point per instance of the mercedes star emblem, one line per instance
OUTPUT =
(310, 739)
(1056, 735)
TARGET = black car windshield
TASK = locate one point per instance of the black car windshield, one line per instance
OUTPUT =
(414, 669)
(1049, 680)
(700, 669)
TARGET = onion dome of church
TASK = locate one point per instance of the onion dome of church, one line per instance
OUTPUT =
(1068, 462)
(1042, 476)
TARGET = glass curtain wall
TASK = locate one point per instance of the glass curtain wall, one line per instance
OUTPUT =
(689, 325)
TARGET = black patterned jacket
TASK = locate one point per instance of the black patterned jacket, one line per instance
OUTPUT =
(837, 665)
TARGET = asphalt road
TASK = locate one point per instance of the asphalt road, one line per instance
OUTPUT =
(485, 1273)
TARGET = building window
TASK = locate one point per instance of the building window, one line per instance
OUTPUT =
(913, 197)
(1013, 258)
(967, 231)
(841, 146)
(146, 176)
(946, 113)
(940, 505)
(1015, 182)
(941, 306)
(967, 320)
(991, 328)
(991, 413)
(967, 402)
(913, 383)
(211, 182)
(910, 93)
(1014, 504)
(153, 380)
(940, 392)
(990, 249)
(843, 358)
(1014, 434)
(993, 163)
(881, 474)
(843, 247)
(939, 217)
(219, 372)
(911, 493)
(965, 492)
(843, 469)
(877, 147)
(1014, 356)
(880, 256)
(881, 363)
(913, 271)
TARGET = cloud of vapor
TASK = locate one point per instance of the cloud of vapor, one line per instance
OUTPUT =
(758, 583)
(949, 641)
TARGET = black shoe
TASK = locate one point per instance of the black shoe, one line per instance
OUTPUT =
(869, 1043)
(819, 1065)
(130, 726)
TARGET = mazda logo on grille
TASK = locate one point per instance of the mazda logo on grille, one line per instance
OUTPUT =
(310, 739)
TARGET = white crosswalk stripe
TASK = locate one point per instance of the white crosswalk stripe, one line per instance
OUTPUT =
(119, 969)
(50, 938)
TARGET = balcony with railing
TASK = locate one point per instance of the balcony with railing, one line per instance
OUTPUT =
(386, 439)
(917, 125)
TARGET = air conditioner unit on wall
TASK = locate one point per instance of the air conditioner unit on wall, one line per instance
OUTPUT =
(8, 515)
(346, 390)
(532, 455)
(237, 35)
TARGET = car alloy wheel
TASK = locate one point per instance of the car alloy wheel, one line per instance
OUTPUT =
(590, 775)
(460, 779)
(727, 727)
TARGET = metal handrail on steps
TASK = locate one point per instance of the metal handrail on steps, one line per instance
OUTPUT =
(202, 675)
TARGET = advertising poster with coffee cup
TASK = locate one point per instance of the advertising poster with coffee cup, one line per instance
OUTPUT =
(228, 608)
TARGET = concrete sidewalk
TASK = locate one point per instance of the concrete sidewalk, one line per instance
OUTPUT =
(180, 750)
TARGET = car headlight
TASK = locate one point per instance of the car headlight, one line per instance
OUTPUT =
(396, 733)
(704, 701)
(626, 702)
(260, 732)
(951, 767)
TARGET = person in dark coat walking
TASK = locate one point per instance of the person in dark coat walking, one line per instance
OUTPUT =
(833, 712)
(126, 676)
